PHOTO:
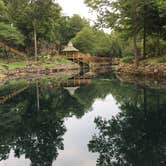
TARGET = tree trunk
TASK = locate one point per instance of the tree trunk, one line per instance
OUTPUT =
(157, 45)
(144, 44)
(136, 51)
(35, 40)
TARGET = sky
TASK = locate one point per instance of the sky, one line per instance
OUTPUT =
(71, 7)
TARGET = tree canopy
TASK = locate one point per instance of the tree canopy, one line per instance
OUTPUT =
(138, 27)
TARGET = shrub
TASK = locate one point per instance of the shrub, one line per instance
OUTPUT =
(162, 59)
(128, 59)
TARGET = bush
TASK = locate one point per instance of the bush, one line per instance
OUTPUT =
(128, 59)
(162, 59)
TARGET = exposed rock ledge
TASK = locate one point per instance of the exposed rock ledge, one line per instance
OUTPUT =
(155, 70)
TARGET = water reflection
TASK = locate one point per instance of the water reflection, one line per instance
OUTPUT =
(32, 123)
(137, 135)
(40, 120)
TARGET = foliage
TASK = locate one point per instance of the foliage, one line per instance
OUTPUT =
(3, 12)
(155, 60)
(128, 59)
(136, 18)
(69, 27)
(10, 34)
(104, 46)
(162, 59)
(138, 27)
(97, 42)
(85, 40)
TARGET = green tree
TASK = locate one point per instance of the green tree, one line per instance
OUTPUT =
(85, 40)
(102, 43)
(3, 11)
(131, 16)
(10, 34)
(69, 27)
(39, 21)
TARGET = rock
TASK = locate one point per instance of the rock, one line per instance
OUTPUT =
(142, 69)
(156, 71)
(2, 76)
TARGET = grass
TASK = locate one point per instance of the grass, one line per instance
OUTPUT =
(155, 60)
(10, 65)
(13, 64)
(152, 60)
(128, 59)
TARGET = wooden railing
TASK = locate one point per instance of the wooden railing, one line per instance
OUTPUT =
(87, 58)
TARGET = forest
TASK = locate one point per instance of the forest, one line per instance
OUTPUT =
(137, 28)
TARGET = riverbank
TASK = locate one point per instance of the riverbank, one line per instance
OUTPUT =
(149, 67)
(144, 81)
(22, 69)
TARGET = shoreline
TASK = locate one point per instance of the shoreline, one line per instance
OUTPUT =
(150, 70)
(37, 72)
(144, 81)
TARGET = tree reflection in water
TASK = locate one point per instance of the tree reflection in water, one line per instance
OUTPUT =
(32, 123)
(137, 135)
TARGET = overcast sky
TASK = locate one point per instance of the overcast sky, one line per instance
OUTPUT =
(71, 7)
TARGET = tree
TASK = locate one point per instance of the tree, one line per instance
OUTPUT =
(40, 11)
(121, 14)
(69, 27)
(10, 34)
(102, 43)
(3, 11)
(152, 23)
(85, 40)
(39, 20)
(130, 16)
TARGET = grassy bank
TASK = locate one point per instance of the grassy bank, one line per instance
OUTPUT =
(12, 64)
(152, 60)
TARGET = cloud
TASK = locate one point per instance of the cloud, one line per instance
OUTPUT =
(71, 7)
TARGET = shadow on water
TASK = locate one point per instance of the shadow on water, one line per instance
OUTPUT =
(32, 121)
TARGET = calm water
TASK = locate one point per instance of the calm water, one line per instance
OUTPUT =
(82, 122)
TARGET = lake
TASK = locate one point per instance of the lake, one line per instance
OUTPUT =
(82, 121)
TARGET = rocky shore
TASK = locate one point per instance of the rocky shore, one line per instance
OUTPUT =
(145, 81)
(32, 72)
(152, 70)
